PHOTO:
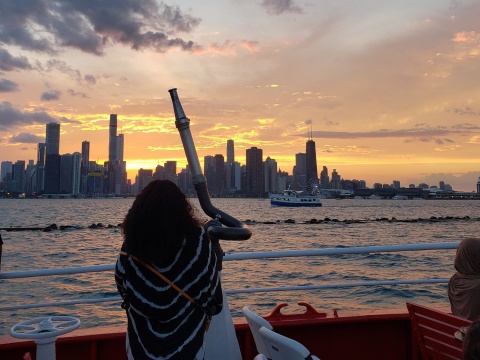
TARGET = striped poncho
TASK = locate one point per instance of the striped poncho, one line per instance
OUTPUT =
(162, 323)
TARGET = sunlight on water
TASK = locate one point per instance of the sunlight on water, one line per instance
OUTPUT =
(80, 245)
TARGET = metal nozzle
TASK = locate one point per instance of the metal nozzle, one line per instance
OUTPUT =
(180, 119)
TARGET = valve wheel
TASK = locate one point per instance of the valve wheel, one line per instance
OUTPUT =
(44, 327)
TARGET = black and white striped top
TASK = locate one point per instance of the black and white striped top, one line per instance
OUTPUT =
(162, 323)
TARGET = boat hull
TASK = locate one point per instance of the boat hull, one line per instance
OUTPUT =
(360, 336)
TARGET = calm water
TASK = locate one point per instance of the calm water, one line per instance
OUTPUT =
(80, 246)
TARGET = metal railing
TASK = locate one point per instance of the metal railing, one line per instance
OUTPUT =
(241, 257)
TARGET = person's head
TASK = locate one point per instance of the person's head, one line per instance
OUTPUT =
(158, 221)
(467, 259)
(471, 342)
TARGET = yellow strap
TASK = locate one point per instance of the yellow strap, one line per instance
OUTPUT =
(152, 269)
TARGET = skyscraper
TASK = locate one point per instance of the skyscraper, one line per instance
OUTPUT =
(41, 158)
(300, 169)
(84, 166)
(230, 152)
(120, 167)
(76, 161)
(270, 171)
(254, 174)
(66, 172)
(229, 168)
(52, 138)
(311, 160)
(208, 165)
(52, 159)
(18, 176)
(335, 180)
(112, 153)
(5, 174)
(112, 140)
(219, 174)
(324, 179)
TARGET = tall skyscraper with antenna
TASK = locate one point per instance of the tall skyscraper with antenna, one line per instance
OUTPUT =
(311, 158)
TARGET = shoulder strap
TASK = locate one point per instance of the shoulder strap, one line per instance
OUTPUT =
(156, 272)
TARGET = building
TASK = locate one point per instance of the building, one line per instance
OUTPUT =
(254, 173)
(300, 170)
(52, 159)
(237, 177)
(143, 178)
(185, 181)
(52, 174)
(30, 178)
(66, 173)
(324, 179)
(84, 166)
(311, 161)
(230, 168)
(52, 138)
(335, 184)
(270, 172)
(208, 172)
(5, 174)
(40, 168)
(218, 175)
(18, 177)
(76, 176)
(112, 153)
(171, 167)
(120, 167)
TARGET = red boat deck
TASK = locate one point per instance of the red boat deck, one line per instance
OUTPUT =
(330, 336)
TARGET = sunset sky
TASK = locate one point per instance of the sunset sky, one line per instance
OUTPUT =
(390, 90)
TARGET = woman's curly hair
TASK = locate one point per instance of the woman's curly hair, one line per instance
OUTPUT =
(158, 221)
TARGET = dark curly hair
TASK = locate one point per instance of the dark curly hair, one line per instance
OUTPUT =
(158, 221)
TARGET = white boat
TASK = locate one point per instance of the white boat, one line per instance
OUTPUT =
(294, 198)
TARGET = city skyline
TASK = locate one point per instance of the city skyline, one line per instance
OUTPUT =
(386, 90)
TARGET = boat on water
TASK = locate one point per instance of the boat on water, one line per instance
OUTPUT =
(293, 198)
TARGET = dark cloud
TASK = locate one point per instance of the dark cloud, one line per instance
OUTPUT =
(10, 63)
(11, 117)
(63, 67)
(466, 126)
(26, 138)
(50, 95)
(90, 79)
(466, 111)
(8, 86)
(278, 7)
(91, 26)
(65, 120)
(75, 93)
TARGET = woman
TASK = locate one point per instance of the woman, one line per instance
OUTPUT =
(464, 285)
(167, 274)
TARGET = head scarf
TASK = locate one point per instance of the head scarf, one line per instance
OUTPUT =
(464, 285)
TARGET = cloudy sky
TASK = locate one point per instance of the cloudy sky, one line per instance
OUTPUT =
(388, 90)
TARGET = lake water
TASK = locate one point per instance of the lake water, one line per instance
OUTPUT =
(353, 223)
